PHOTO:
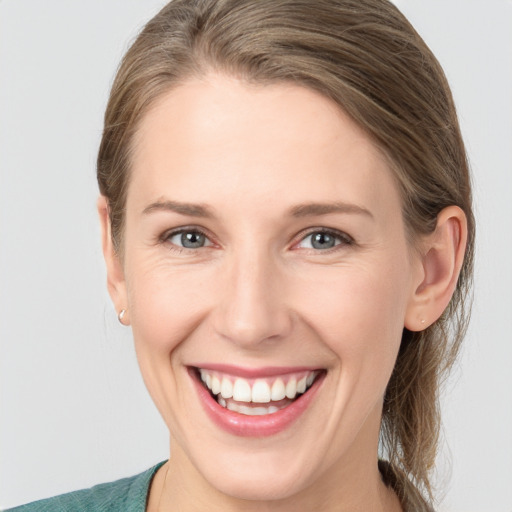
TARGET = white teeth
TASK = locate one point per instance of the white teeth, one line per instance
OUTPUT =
(215, 385)
(278, 390)
(245, 409)
(226, 388)
(301, 385)
(257, 411)
(260, 392)
(291, 388)
(242, 391)
(251, 411)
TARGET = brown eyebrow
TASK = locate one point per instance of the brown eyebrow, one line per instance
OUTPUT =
(311, 209)
(301, 210)
(190, 209)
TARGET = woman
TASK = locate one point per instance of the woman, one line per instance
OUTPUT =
(287, 228)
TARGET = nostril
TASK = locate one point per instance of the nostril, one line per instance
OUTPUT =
(252, 330)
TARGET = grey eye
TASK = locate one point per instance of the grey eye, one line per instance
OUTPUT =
(322, 240)
(190, 239)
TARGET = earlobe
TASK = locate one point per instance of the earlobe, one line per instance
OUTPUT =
(115, 274)
(442, 257)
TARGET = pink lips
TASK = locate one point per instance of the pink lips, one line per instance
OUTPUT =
(254, 426)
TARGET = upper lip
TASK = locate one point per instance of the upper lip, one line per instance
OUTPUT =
(254, 373)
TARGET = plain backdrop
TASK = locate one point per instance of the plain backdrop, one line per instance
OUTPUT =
(74, 410)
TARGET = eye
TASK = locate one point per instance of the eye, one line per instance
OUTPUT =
(188, 239)
(324, 240)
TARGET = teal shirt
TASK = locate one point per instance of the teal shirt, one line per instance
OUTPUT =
(125, 495)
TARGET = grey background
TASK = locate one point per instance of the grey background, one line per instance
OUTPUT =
(74, 411)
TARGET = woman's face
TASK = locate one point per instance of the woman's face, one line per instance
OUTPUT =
(265, 251)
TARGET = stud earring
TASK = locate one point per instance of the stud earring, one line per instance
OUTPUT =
(120, 316)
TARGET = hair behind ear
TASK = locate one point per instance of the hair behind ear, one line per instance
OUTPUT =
(411, 418)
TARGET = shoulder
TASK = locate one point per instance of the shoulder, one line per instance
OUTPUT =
(127, 495)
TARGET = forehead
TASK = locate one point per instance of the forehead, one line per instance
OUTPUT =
(219, 139)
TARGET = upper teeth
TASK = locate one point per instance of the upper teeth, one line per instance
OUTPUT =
(258, 390)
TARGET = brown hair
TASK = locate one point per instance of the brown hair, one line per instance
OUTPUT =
(366, 57)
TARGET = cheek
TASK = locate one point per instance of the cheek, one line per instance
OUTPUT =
(358, 312)
(359, 315)
(166, 304)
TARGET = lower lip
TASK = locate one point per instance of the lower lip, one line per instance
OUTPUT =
(254, 426)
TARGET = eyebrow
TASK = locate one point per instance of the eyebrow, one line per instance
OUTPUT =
(189, 209)
(301, 210)
(312, 209)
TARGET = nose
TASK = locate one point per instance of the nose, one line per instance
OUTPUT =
(252, 309)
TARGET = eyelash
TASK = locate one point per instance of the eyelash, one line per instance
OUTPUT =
(165, 238)
(343, 238)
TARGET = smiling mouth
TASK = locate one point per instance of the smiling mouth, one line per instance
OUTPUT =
(256, 396)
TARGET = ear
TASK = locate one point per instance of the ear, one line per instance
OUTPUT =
(116, 283)
(442, 255)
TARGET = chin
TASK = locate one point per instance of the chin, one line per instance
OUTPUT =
(258, 484)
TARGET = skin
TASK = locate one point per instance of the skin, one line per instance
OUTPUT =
(258, 294)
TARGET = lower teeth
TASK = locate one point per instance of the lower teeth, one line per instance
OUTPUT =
(247, 410)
